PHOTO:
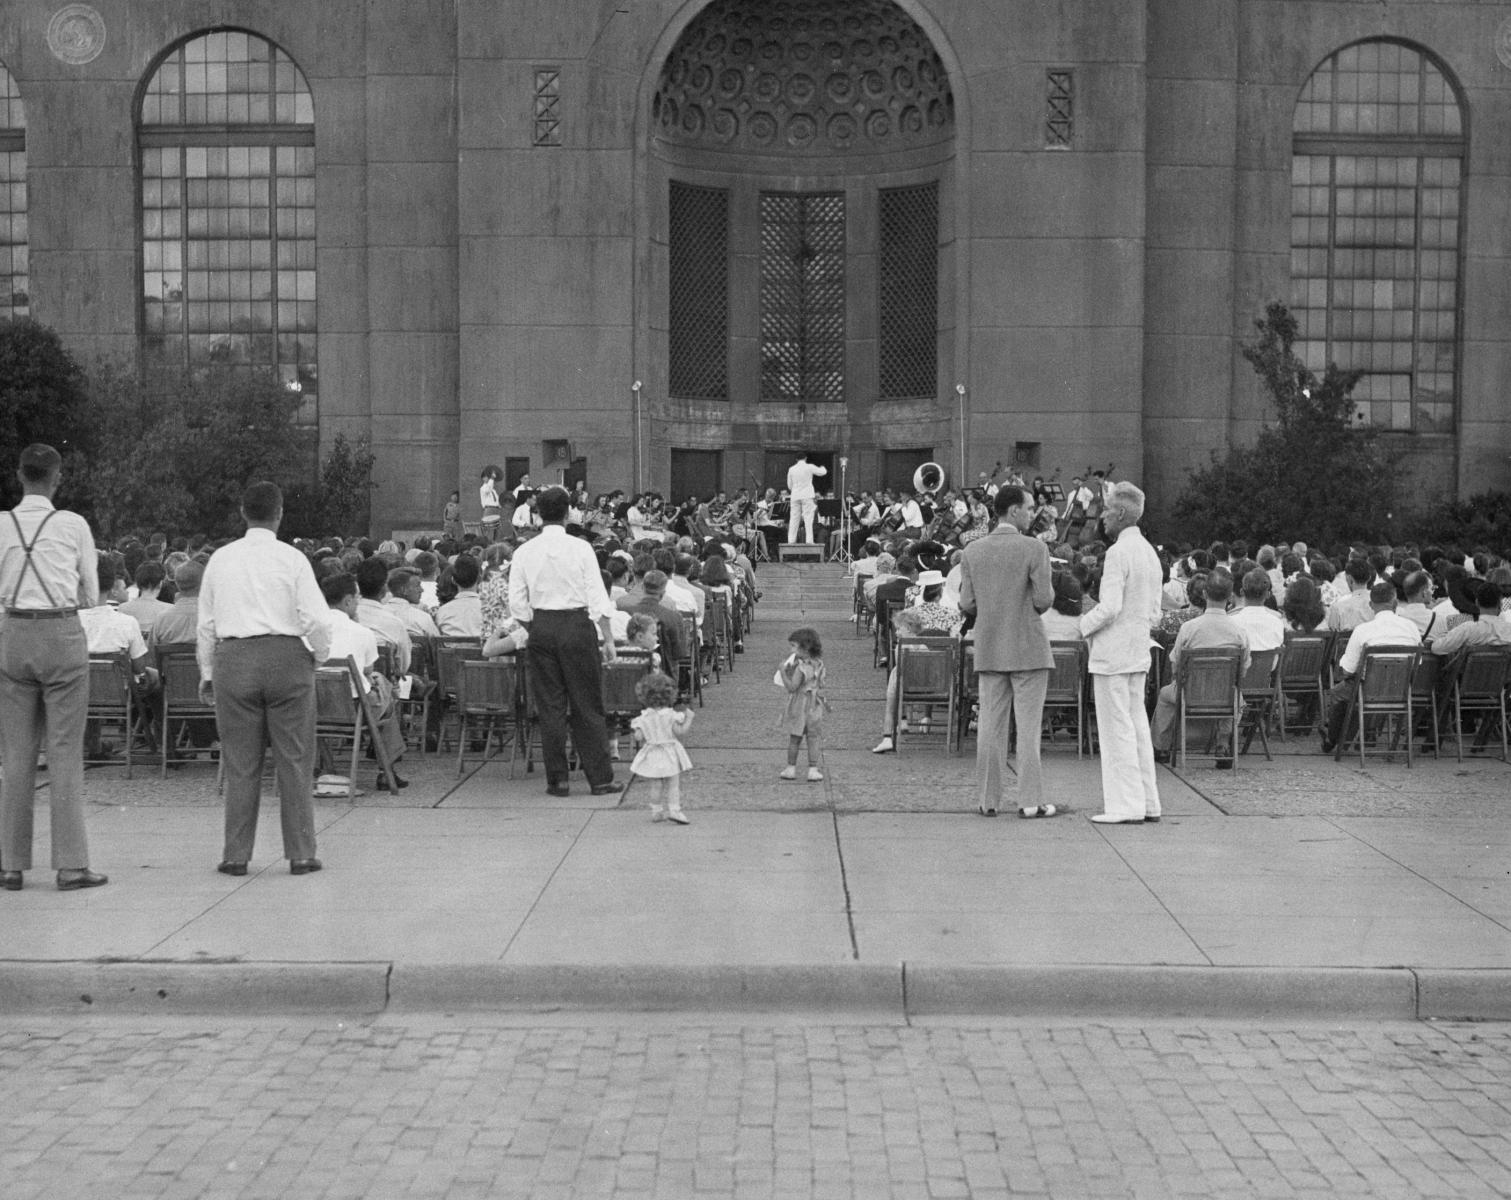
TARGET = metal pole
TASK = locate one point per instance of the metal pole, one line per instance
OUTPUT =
(639, 453)
(960, 391)
(844, 514)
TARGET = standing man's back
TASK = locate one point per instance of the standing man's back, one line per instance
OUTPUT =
(48, 571)
(262, 632)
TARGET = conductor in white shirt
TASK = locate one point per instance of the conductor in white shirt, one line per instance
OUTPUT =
(800, 478)
(263, 629)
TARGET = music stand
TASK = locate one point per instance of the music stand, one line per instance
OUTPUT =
(844, 554)
(1055, 492)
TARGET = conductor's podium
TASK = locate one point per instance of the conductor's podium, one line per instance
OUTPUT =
(800, 552)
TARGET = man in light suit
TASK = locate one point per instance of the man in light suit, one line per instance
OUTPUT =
(1005, 581)
(1117, 632)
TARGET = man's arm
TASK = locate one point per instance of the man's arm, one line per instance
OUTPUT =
(1041, 576)
(89, 570)
(1110, 604)
(967, 589)
(313, 613)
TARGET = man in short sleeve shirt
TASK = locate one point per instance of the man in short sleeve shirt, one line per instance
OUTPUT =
(48, 571)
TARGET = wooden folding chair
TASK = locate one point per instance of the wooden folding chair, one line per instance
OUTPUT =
(1304, 662)
(178, 671)
(1259, 694)
(1479, 685)
(928, 670)
(487, 694)
(1384, 693)
(112, 701)
(1207, 688)
(1066, 691)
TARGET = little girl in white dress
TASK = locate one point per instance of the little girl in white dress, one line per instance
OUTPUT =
(661, 758)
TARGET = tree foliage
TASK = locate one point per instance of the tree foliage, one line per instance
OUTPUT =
(43, 398)
(1481, 520)
(340, 502)
(175, 454)
(1313, 474)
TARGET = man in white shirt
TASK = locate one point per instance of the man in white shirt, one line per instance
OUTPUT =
(556, 591)
(1384, 628)
(108, 630)
(1353, 609)
(1262, 625)
(911, 515)
(1117, 634)
(462, 616)
(683, 595)
(804, 499)
(48, 566)
(372, 588)
(1418, 590)
(262, 630)
(403, 601)
(351, 639)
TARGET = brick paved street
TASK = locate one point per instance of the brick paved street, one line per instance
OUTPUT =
(651, 1107)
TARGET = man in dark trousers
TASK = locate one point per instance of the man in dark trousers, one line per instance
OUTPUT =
(263, 629)
(556, 591)
(1005, 581)
(48, 571)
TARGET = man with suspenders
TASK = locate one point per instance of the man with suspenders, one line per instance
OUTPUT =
(48, 571)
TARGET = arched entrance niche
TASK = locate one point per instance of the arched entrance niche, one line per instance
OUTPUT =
(799, 285)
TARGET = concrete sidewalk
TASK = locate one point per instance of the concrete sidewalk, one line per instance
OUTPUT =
(1298, 887)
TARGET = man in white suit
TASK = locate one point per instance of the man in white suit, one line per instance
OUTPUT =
(800, 478)
(1117, 633)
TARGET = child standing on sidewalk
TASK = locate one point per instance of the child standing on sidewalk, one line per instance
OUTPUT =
(661, 758)
(802, 674)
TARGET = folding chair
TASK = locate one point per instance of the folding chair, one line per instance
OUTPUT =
(448, 653)
(1424, 696)
(928, 671)
(112, 701)
(1259, 694)
(1385, 676)
(1479, 685)
(343, 709)
(620, 704)
(487, 692)
(690, 665)
(1304, 659)
(881, 631)
(724, 632)
(1067, 688)
(968, 704)
(414, 709)
(1206, 687)
(178, 669)
(858, 603)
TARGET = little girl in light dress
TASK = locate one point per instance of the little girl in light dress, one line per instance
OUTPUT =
(661, 758)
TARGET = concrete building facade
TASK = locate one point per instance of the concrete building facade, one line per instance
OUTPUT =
(666, 243)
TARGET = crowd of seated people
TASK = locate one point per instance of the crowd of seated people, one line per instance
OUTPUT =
(1448, 600)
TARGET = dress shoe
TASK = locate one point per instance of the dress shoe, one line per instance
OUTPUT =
(1148, 820)
(303, 866)
(398, 779)
(70, 881)
(1224, 764)
(232, 868)
(1162, 757)
(986, 812)
(1109, 819)
(607, 789)
(10, 880)
(558, 789)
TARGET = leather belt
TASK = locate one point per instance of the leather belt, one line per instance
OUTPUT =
(40, 614)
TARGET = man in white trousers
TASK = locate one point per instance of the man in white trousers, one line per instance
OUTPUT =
(1117, 633)
(800, 478)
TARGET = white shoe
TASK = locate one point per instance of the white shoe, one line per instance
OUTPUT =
(677, 817)
(884, 746)
(1109, 819)
(788, 773)
(815, 775)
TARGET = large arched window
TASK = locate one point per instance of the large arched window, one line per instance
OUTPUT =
(1378, 156)
(15, 289)
(227, 139)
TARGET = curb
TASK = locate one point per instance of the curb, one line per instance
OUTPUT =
(136, 987)
(1246, 993)
(882, 992)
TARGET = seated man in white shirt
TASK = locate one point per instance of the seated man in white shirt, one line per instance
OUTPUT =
(1264, 626)
(107, 630)
(372, 589)
(351, 640)
(403, 601)
(1384, 628)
